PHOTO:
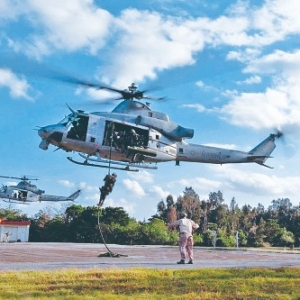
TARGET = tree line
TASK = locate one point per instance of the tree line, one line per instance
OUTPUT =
(277, 226)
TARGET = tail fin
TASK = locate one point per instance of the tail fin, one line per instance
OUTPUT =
(262, 151)
(74, 196)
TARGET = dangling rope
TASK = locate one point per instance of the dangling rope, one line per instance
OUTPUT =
(109, 253)
(111, 142)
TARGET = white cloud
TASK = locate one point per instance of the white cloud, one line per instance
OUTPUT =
(159, 42)
(141, 176)
(92, 197)
(129, 207)
(276, 19)
(198, 183)
(245, 56)
(258, 110)
(277, 106)
(198, 107)
(259, 183)
(251, 80)
(64, 25)
(9, 183)
(18, 88)
(156, 44)
(181, 39)
(280, 61)
(86, 187)
(66, 183)
(158, 192)
(134, 188)
(10, 9)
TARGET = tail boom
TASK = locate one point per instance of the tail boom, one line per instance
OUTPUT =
(53, 198)
(262, 151)
(215, 155)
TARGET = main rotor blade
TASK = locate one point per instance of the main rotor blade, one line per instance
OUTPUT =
(20, 178)
(67, 78)
(25, 66)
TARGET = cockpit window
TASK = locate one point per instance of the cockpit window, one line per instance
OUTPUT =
(78, 128)
(66, 120)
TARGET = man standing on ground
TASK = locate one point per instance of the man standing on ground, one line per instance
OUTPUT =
(186, 241)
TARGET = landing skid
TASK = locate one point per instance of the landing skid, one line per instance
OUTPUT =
(85, 163)
(16, 202)
(111, 164)
(100, 160)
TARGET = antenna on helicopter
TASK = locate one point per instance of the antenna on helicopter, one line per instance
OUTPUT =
(132, 88)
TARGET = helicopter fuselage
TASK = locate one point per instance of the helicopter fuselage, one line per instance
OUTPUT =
(20, 195)
(17, 195)
(104, 132)
(132, 133)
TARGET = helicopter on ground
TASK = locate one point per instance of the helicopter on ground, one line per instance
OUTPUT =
(132, 136)
(25, 192)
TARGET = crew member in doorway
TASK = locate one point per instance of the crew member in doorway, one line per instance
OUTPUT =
(133, 138)
(118, 141)
(109, 182)
(132, 141)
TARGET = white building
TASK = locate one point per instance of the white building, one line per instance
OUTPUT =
(14, 231)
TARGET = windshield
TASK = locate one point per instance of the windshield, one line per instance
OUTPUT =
(66, 119)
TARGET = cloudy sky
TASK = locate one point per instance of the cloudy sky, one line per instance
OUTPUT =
(230, 70)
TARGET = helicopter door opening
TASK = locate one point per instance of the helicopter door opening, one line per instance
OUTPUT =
(78, 128)
(20, 195)
(120, 136)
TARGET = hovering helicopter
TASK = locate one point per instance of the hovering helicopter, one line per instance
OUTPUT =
(132, 136)
(25, 192)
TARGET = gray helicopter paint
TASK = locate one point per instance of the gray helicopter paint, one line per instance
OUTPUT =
(164, 137)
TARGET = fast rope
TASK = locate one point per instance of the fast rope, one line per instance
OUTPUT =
(109, 253)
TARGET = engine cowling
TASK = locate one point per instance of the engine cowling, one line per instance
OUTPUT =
(168, 128)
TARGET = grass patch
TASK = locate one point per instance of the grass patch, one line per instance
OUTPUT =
(256, 283)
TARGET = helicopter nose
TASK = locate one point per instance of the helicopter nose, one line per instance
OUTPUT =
(42, 132)
(51, 134)
(44, 145)
(51, 131)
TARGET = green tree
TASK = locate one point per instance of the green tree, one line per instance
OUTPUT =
(11, 214)
(37, 232)
(220, 216)
(73, 212)
(189, 203)
(163, 210)
(117, 215)
(215, 199)
(234, 215)
(257, 234)
(278, 236)
(282, 210)
(82, 224)
(248, 218)
(171, 214)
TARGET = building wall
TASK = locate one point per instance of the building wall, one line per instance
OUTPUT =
(17, 232)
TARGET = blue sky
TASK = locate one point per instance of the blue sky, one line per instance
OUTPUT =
(230, 70)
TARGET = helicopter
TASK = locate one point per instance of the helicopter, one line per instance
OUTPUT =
(25, 192)
(133, 136)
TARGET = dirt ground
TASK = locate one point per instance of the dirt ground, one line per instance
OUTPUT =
(50, 256)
